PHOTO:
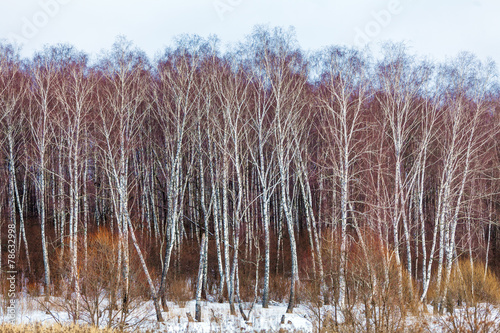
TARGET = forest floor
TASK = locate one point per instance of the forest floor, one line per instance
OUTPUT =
(216, 318)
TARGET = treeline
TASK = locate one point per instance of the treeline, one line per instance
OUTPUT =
(385, 170)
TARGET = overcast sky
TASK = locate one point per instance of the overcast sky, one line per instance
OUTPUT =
(436, 28)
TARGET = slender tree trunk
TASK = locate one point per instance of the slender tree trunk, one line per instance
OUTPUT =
(199, 284)
(152, 288)
(285, 205)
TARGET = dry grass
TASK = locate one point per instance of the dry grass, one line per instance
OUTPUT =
(476, 319)
(180, 292)
(279, 288)
(39, 328)
(470, 284)
(372, 280)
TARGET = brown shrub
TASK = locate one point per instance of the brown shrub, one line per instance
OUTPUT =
(470, 284)
(279, 288)
(372, 279)
(180, 291)
(476, 319)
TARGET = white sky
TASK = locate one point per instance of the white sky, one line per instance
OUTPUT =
(435, 28)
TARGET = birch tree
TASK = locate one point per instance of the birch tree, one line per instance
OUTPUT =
(13, 84)
(401, 81)
(285, 71)
(74, 94)
(122, 108)
(342, 95)
(262, 154)
(43, 69)
(176, 92)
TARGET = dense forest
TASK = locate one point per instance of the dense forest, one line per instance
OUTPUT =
(259, 173)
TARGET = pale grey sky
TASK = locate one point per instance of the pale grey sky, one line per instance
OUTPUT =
(436, 28)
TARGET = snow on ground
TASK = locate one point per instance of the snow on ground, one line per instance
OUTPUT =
(216, 317)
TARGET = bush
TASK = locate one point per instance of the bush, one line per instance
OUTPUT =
(99, 302)
(470, 284)
(372, 279)
(100, 277)
(180, 291)
(279, 288)
(475, 319)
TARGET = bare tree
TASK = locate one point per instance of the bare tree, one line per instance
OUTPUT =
(175, 97)
(342, 95)
(262, 153)
(285, 71)
(74, 94)
(13, 84)
(466, 108)
(43, 69)
(122, 107)
(400, 84)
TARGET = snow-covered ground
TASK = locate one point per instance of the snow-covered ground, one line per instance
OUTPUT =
(216, 318)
